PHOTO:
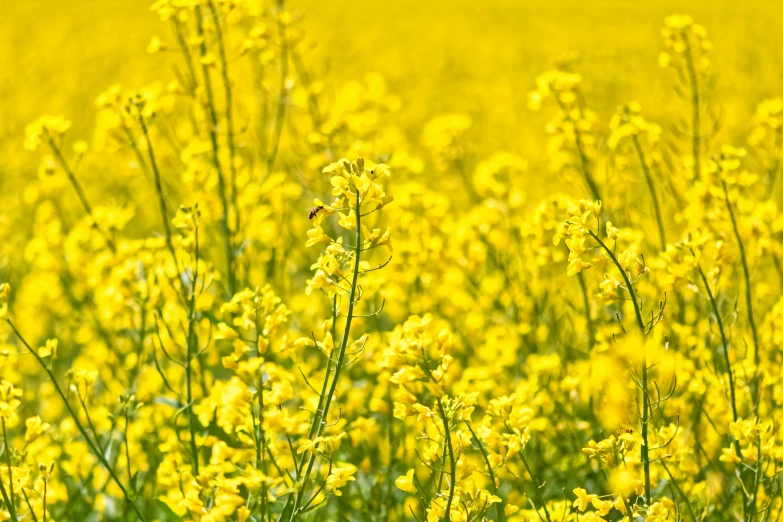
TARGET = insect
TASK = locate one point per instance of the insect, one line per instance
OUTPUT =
(313, 211)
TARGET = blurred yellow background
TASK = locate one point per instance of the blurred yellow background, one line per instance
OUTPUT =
(476, 57)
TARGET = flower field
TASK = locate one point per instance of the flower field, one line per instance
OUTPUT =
(299, 261)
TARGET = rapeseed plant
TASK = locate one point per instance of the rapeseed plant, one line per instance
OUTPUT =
(210, 319)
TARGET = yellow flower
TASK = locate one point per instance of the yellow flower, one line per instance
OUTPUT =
(582, 499)
(576, 265)
(8, 400)
(327, 345)
(50, 348)
(612, 232)
(657, 513)
(225, 332)
(45, 128)
(155, 45)
(316, 235)
(405, 482)
(340, 476)
(386, 240)
(35, 427)
(729, 455)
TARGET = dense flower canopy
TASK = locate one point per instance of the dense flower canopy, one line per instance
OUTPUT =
(252, 293)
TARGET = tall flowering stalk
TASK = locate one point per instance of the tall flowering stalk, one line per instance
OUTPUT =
(632, 135)
(359, 193)
(579, 230)
(688, 54)
(573, 140)
(50, 130)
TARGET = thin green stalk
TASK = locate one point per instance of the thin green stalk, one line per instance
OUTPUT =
(77, 187)
(318, 417)
(127, 451)
(653, 193)
(452, 460)
(499, 512)
(229, 110)
(135, 146)
(680, 492)
(536, 488)
(183, 45)
(586, 166)
(189, 360)
(90, 424)
(756, 483)
(628, 509)
(164, 212)
(442, 473)
(98, 454)
(12, 504)
(213, 137)
(46, 484)
(392, 448)
(645, 390)
(29, 506)
(319, 421)
(582, 154)
(746, 272)
(283, 94)
(262, 463)
(7, 501)
(725, 342)
(586, 302)
(695, 109)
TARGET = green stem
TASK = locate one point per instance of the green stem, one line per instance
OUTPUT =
(229, 110)
(757, 481)
(213, 137)
(186, 51)
(680, 492)
(12, 504)
(77, 187)
(653, 193)
(164, 212)
(588, 317)
(452, 460)
(319, 421)
(645, 387)
(536, 486)
(46, 484)
(29, 506)
(283, 95)
(499, 513)
(725, 342)
(695, 109)
(580, 149)
(190, 357)
(127, 450)
(746, 272)
(628, 509)
(7, 501)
